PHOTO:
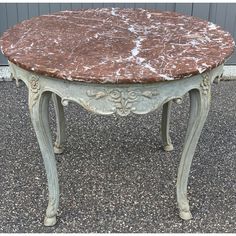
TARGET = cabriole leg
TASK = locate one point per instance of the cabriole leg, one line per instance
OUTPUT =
(60, 119)
(167, 145)
(38, 105)
(199, 107)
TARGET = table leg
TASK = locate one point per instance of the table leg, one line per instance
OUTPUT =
(60, 120)
(167, 145)
(199, 107)
(39, 115)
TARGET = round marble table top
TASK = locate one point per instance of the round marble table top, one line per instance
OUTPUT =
(117, 45)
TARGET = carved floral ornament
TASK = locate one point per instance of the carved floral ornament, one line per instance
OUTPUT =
(34, 88)
(205, 84)
(123, 100)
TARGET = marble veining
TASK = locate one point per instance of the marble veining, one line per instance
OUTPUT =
(112, 45)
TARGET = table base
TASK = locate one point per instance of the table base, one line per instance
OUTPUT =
(121, 99)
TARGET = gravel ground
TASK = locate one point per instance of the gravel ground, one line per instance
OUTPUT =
(114, 175)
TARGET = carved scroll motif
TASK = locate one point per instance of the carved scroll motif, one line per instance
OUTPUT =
(178, 100)
(123, 100)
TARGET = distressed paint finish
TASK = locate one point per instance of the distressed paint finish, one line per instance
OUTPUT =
(165, 123)
(121, 99)
(199, 107)
(39, 115)
(60, 120)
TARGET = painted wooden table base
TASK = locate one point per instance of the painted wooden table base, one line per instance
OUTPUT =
(122, 99)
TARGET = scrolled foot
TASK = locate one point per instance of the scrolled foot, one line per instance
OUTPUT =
(185, 215)
(50, 221)
(58, 149)
(168, 147)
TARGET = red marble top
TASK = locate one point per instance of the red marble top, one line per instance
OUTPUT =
(117, 45)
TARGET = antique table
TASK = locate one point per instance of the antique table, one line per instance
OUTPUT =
(116, 61)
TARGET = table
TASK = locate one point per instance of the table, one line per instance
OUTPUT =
(118, 61)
